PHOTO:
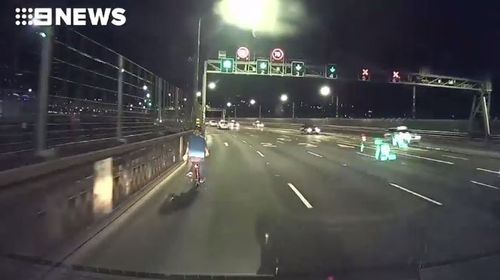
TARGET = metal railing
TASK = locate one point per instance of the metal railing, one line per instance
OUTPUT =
(87, 92)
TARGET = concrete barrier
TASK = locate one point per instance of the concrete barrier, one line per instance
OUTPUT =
(424, 126)
(66, 198)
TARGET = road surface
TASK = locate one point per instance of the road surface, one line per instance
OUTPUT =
(311, 204)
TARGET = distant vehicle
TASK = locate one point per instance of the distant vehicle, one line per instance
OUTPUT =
(401, 134)
(310, 129)
(223, 124)
(258, 124)
(212, 123)
(234, 125)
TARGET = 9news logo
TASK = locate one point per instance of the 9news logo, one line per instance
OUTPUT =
(70, 16)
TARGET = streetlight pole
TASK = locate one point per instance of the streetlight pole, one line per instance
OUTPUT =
(260, 111)
(204, 94)
(197, 70)
(414, 109)
(293, 109)
(336, 106)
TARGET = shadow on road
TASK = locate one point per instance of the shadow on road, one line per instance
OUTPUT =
(176, 202)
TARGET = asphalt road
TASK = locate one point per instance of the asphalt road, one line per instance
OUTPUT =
(313, 204)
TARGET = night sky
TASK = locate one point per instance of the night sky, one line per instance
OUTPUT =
(459, 38)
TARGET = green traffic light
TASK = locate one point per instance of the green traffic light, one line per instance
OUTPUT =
(227, 64)
(331, 71)
(298, 68)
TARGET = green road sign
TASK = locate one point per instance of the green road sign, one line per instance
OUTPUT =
(227, 65)
(298, 69)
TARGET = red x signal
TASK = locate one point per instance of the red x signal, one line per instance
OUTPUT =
(395, 77)
(365, 72)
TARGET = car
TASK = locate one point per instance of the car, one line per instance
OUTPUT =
(401, 134)
(310, 129)
(234, 125)
(223, 124)
(258, 124)
(212, 123)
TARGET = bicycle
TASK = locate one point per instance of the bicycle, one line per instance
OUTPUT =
(196, 179)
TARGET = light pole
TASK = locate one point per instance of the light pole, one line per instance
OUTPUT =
(284, 98)
(197, 71)
(229, 105)
(325, 91)
(252, 102)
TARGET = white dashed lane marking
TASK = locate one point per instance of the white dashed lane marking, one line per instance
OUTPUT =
(484, 185)
(314, 154)
(417, 194)
(301, 197)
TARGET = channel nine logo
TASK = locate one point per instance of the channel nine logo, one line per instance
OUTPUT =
(70, 16)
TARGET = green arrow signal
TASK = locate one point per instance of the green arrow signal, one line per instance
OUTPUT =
(298, 67)
(332, 69)
(227, 64)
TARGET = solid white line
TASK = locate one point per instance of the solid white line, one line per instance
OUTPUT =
(226, 144)
(361, 154)
(280, 142)
(345, 146)
(417, 194)
(302, 198)
(260, 154)
(244, 141)
(426, 158)
(484, 185)
(90, 176)
(462, 158)
(487, 170)
(314, 154)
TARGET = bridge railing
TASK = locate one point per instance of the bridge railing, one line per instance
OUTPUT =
(92, 93)
(59, 200)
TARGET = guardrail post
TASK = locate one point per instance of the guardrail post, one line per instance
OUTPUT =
(119, 111)
(43, 92)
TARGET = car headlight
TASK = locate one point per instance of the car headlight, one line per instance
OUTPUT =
(309, 130)
(317, 130)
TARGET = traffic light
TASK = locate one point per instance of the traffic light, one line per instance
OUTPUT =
(277, 69)
(396, 78)
(331, 71)
(298, 68)
(365, 74)
(262, 66)
(227, 65)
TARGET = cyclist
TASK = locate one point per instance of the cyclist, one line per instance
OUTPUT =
(196, 152)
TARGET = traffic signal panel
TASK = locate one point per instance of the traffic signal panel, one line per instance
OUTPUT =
(298, 69)
(331, 71)
(365, 74)
(396, 77)
(227, 65)
(262, 66)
